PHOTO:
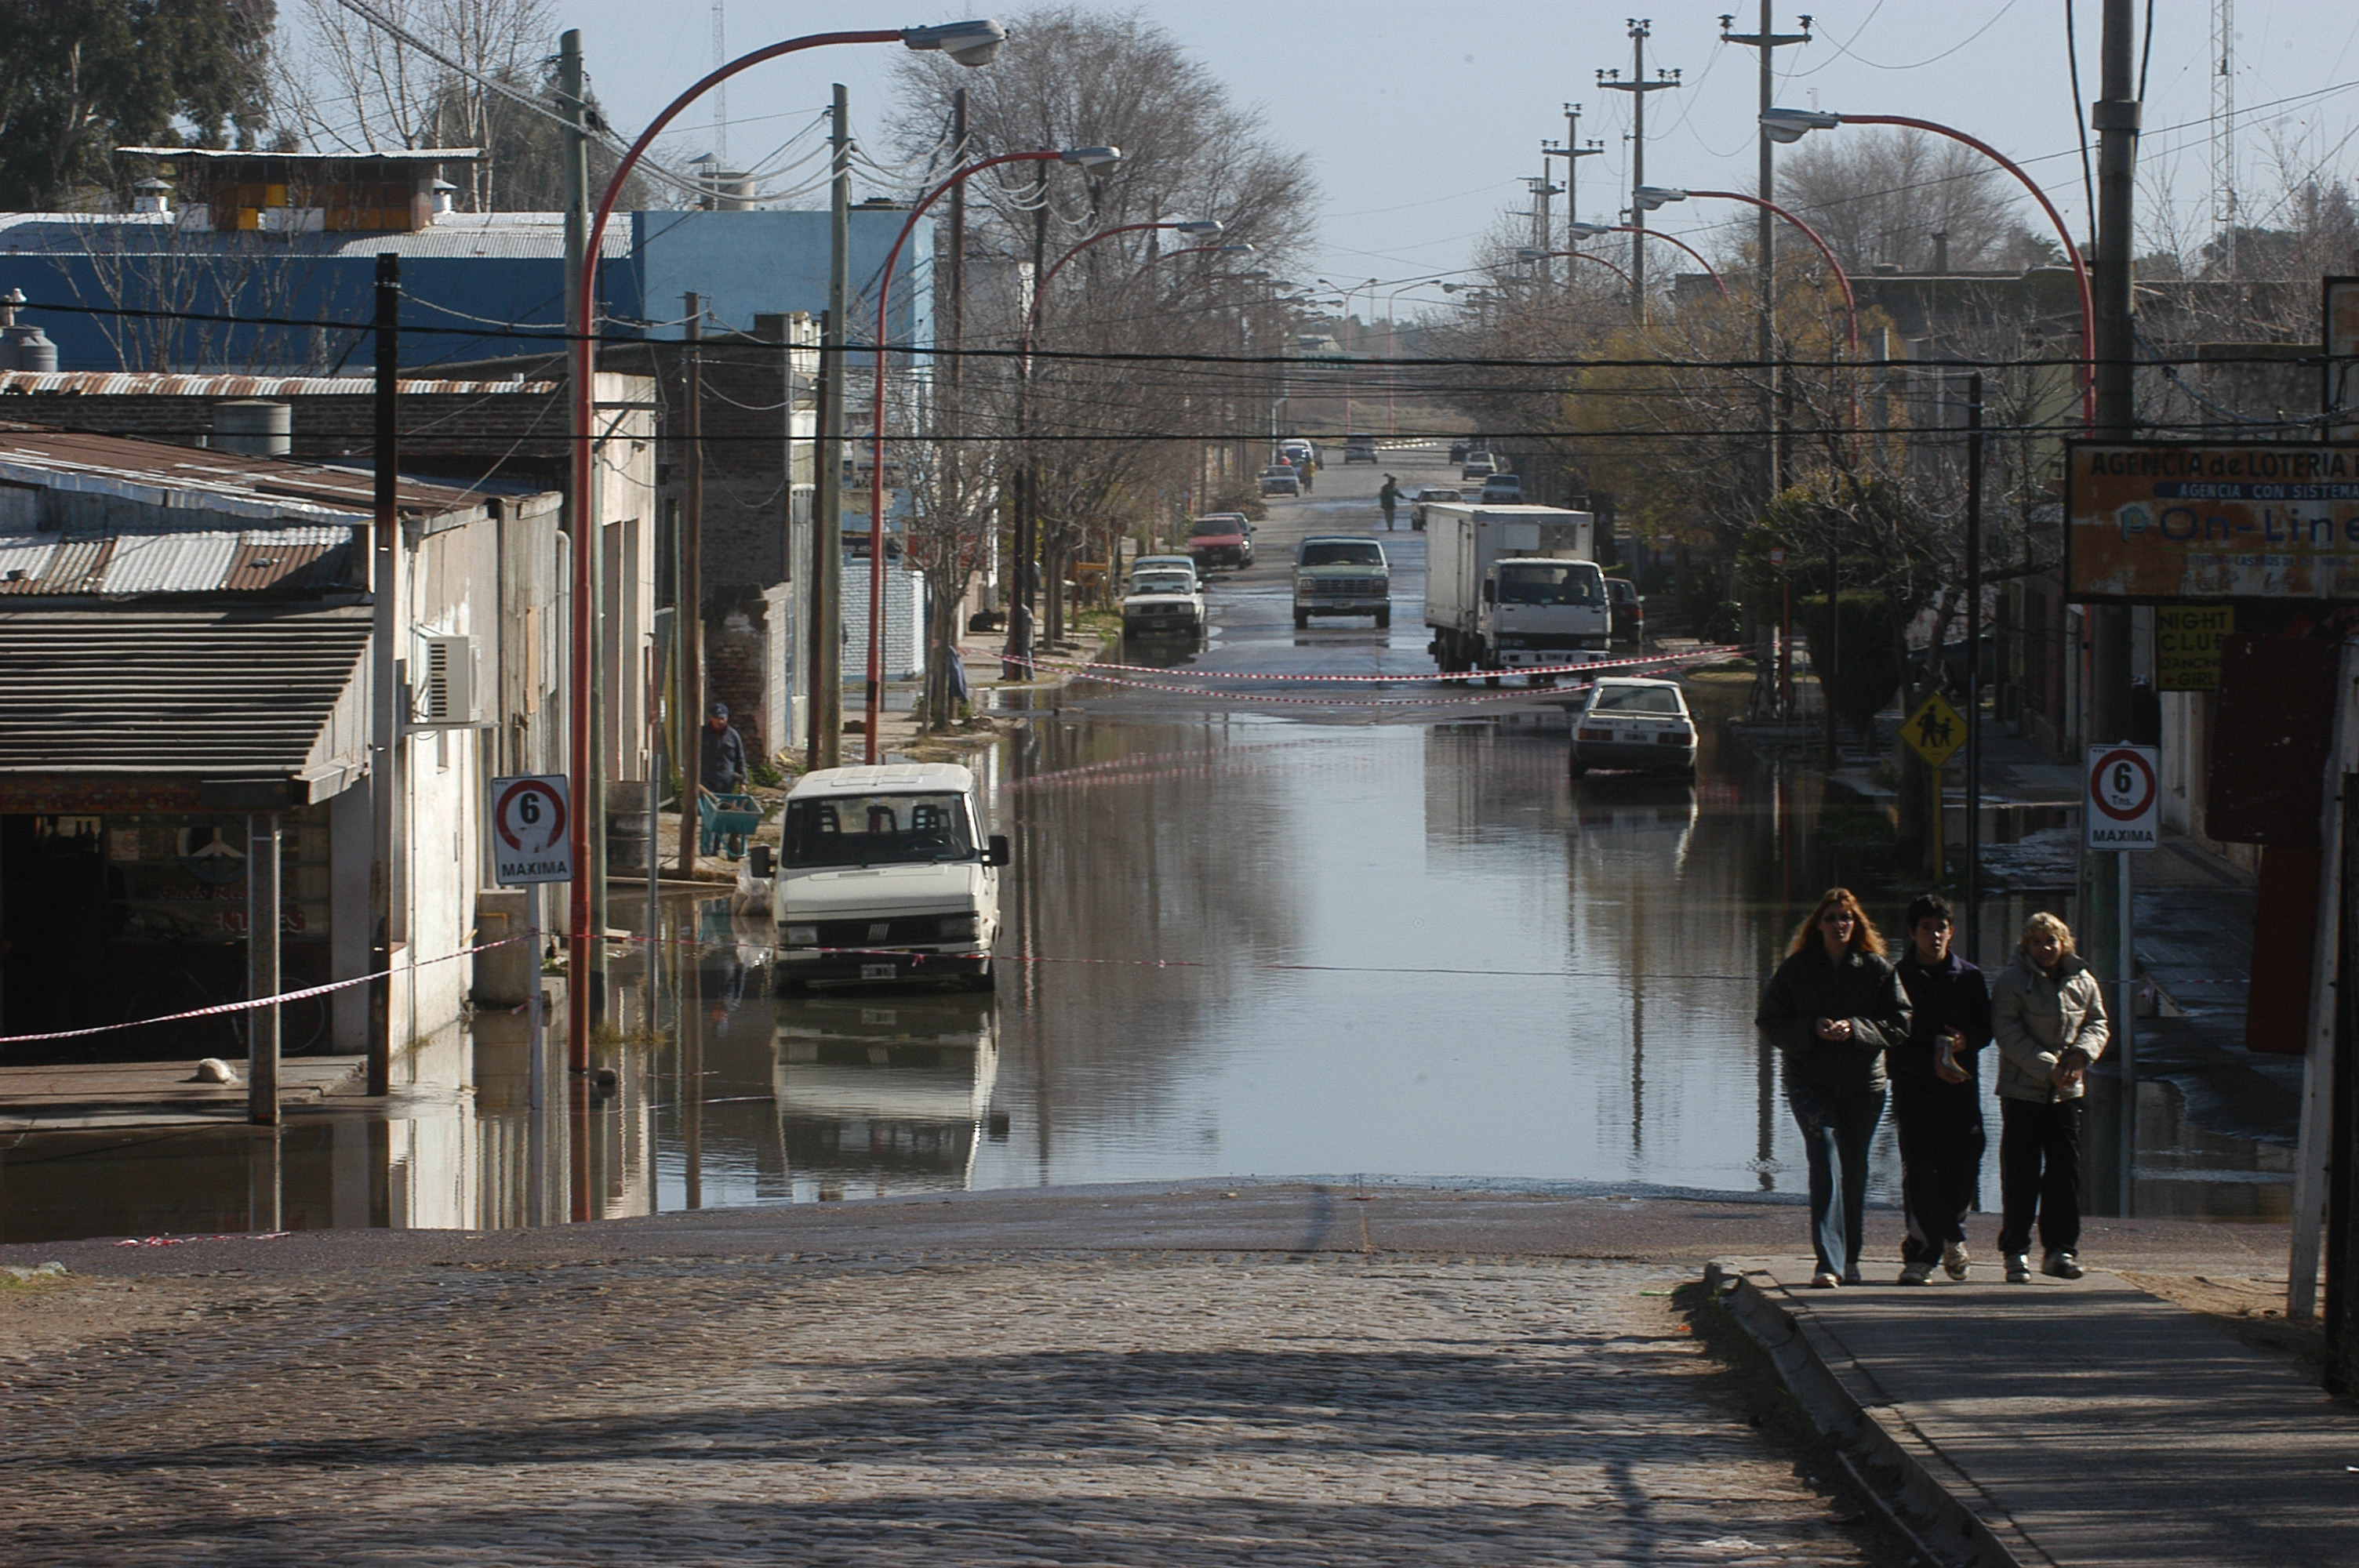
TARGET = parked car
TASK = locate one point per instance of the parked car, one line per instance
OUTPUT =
(1221, 539)
(1146, 564)
(1359, 449)
(1629, 610)
(1629, 722)
(1478, 465)
(1281, 478)
(1165, 602)
(1346, 575)
(1503, 490)
(1427, 497)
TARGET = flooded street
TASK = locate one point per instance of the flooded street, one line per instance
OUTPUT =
(1321, 937)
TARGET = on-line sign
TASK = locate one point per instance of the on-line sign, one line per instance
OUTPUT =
(531, 817)
(2122, 808)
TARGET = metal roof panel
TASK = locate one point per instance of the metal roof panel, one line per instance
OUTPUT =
(170, 563)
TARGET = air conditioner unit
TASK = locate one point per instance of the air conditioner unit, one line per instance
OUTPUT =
(446, 683)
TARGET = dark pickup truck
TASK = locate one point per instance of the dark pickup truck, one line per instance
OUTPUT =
(1221, 539)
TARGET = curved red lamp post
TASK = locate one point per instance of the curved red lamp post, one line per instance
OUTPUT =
(1654, 196)
(1040, 290)
(1093, 158)
(1533, 252)
(1709, 270)
(969, 43)
(1791, 124)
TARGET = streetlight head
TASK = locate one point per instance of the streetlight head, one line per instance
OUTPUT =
(1793, 124)
(1093, 160)
(1204, 228)
(1532, 252)
(1587, 231)
(1234, 250)
(1651, 197)
(969, 43)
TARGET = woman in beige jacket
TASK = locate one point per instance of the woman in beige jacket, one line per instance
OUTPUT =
(2047, 1016)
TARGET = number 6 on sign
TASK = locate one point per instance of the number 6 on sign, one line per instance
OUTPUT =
(2123, 805)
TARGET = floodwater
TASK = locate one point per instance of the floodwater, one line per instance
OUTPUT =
(1244, 939)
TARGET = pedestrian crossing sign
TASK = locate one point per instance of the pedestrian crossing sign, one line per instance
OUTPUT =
(1935, 730)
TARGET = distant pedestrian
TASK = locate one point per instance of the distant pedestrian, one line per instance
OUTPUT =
(1833, 1008)
(1389, 498)
(1936, 1095)
(722, 767)
(2048, 1013)
(954, 667)
(1302, 469)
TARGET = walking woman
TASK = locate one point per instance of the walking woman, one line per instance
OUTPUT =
(1832, 1009)
(2048, 1015)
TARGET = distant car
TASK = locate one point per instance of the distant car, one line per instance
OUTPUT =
(1457, 451)
(1221, 539)
(1642, 725)
(1427, 497)
(1478, 465)
(1503, 490)
(1359, 449)
(1294, 447)
(1629, 610)
(1146, 564)
(1165, 602)
(1281, 478)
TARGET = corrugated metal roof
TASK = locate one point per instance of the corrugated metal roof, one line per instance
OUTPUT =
(148, 562)
(529, 236)
(193, 694)
(395, 155)
(153, 473)
(277, 561)
(149, 384)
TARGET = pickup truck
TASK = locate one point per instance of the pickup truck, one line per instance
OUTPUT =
(1163, 603)
(1221, 539)
(1342, 576)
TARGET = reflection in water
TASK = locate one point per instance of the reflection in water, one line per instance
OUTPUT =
(886, 1093)
(1236, 945)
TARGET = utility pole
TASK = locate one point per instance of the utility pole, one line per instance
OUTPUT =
(954, 318)
(1765, 240)
(827, 538)
(1572, 152)
(949, 401)
(1544, 220)
(690, 599)
(585, 984)
(1637, 87)
(2115, 116)
(385, 691)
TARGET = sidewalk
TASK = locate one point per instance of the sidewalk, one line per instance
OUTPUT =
(2061, 1423)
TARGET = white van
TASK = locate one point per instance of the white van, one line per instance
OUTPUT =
(883, 874)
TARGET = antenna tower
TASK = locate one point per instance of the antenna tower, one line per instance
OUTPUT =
(2224, 135)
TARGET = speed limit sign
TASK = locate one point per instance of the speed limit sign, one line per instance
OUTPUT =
(532, 823)
(2123, 807)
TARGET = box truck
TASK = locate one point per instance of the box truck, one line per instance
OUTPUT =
(1511, 588)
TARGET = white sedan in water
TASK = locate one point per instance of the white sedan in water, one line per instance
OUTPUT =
(1164, 603)
(1634, 723)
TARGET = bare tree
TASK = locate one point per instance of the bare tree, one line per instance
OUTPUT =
(1902, 197)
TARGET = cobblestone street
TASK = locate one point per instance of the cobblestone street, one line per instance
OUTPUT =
(969, 1408)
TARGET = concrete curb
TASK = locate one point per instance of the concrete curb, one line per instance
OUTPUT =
(1938, 1506)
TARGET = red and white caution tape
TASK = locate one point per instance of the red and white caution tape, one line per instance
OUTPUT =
(219, 1009)
(1198, 673)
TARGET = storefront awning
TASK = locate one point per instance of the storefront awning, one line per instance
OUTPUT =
(132, 710)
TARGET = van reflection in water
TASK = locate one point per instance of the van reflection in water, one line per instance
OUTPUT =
(885, 1093)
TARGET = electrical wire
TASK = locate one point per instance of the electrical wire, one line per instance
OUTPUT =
(2080, 116)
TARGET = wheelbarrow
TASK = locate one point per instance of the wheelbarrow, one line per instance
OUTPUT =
(725, 822)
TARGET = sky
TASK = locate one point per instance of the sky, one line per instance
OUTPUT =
(1423, 122)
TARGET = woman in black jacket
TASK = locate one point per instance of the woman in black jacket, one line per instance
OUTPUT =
(1831, 1010)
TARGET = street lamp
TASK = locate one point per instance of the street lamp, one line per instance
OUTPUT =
(1093, 160)
(971, 43)
(1651, 197)
(1533, 252)
(1793, 124)
(1594, 230)
(1194, 228)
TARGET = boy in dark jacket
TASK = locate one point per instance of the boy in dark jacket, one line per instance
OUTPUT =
(1936, 1097)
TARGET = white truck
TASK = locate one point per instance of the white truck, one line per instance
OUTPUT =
(1510, 588)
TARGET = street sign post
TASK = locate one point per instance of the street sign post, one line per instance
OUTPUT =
(2121, 811)
(531, 814)
(1934, 733)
